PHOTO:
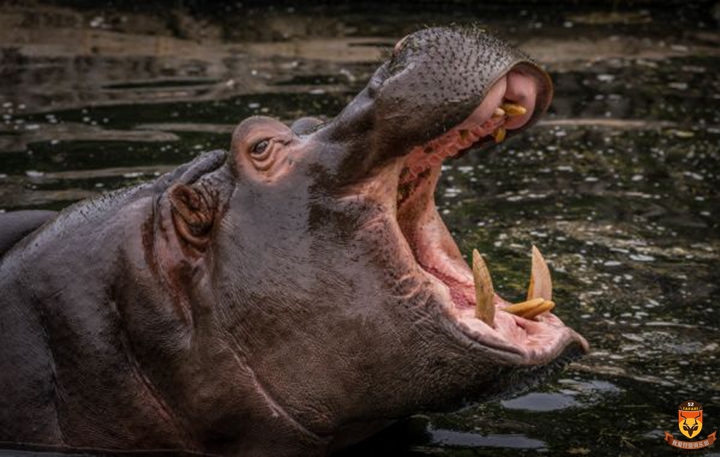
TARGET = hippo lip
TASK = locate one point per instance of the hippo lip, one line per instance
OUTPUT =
(436, 253)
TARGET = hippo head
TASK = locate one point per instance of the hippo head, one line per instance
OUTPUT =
(313, 263)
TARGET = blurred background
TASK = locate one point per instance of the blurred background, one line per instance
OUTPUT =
(618, 185)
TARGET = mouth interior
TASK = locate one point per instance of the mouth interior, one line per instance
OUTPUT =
(434, 249)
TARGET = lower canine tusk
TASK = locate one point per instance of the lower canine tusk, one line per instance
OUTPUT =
(540, 279)
(484, 292)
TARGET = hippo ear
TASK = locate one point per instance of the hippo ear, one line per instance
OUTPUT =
(193, 212)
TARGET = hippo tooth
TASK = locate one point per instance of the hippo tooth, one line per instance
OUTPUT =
(513, 109)
(464, 135)
(521, 309)
(467, 141)
(540, 280)
(484, 293)
(499, 134)
(545, 306)
(531, 308)
(498, 112)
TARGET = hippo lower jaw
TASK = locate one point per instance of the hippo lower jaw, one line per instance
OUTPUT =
(513, 102)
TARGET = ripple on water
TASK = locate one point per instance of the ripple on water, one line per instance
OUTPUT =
(467, 439)
(575, 394)
(541, 402)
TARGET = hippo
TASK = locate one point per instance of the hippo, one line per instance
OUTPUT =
(290, 296)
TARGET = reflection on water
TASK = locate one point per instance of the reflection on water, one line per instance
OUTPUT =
(618, 185)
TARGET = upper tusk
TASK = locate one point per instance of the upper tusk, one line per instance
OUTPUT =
(484, 292)
(513, 109)
(540, 280)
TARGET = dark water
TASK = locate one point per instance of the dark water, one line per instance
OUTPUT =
(618, 185)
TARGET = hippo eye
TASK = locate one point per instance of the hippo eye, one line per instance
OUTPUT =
(260, 147)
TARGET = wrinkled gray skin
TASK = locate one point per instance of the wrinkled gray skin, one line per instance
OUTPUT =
(239, 308)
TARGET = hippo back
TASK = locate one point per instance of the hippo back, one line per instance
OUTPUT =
(16, 225)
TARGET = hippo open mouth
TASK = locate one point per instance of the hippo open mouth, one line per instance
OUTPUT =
(513, 102)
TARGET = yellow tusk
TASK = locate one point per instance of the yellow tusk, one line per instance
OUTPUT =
(499, 134)
(546, 306)
(540, 279)
(484, 292)
(521, 309)
(513, 109)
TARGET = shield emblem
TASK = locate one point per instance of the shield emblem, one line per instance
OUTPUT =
(690, 418)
